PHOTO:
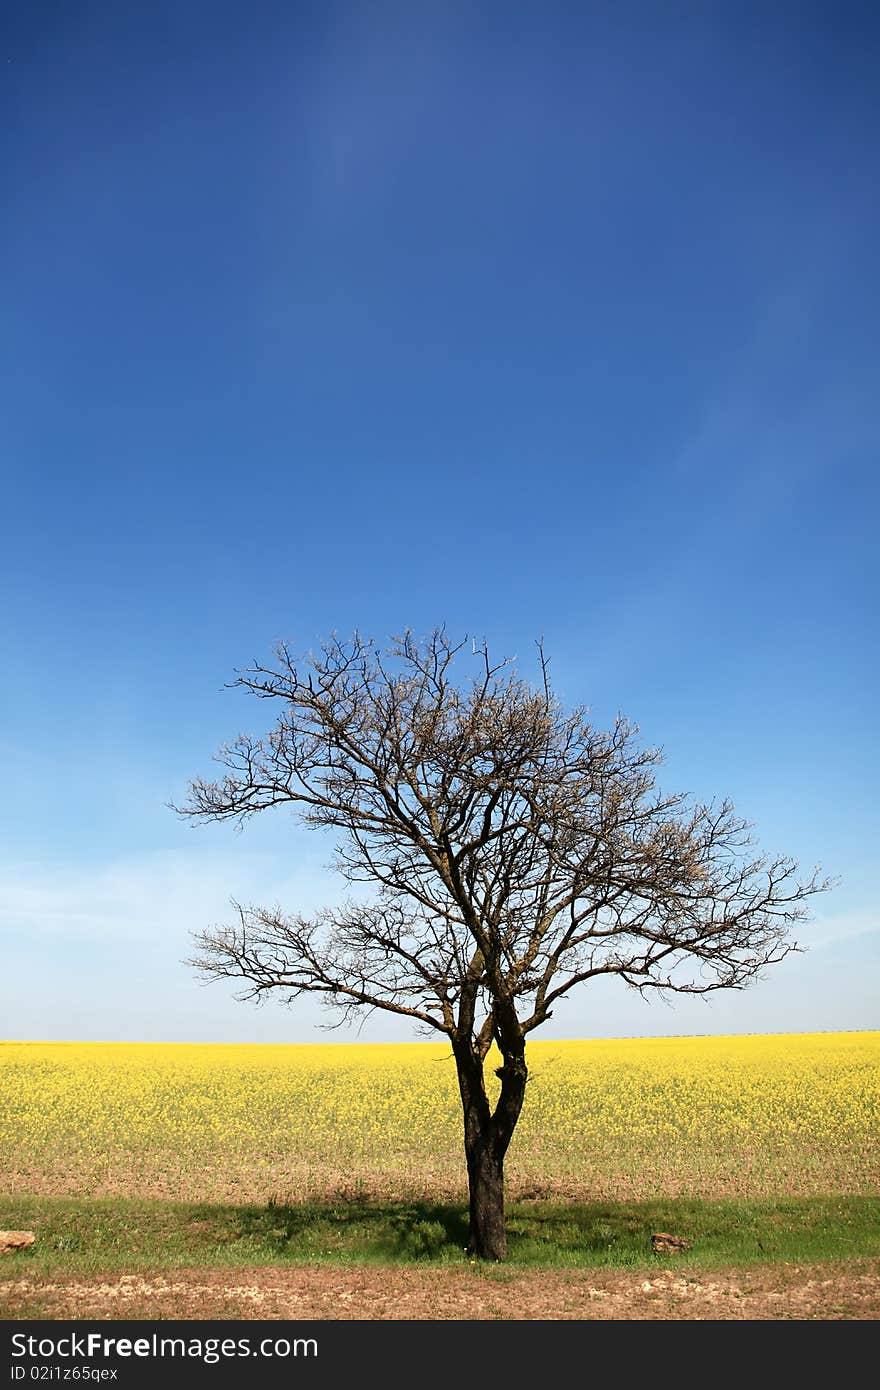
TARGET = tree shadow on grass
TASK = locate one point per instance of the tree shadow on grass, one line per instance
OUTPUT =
(364, 1231)
(359, 1230)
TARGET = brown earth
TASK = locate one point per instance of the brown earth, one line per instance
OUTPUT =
(15, 1240)
(832, 1291)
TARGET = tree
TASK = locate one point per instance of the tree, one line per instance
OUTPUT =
(514, 852)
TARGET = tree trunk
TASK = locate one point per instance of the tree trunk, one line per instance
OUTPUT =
(488, 1236)
(487, 1135)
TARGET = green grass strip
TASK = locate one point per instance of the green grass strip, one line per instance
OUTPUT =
(78, 1235)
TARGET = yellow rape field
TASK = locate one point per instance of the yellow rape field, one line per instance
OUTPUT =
(635, 1118)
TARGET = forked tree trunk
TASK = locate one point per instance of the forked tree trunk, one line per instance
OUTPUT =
(487, 1135)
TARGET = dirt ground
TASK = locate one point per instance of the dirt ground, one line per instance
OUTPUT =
(850, 1290)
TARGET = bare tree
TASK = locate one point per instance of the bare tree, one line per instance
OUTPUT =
(515, 852)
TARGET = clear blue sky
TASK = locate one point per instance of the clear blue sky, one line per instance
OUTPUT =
(541, 319)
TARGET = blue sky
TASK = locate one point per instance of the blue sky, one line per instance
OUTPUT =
(531, 320)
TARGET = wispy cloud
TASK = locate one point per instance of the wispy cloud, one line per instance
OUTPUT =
(136, 897)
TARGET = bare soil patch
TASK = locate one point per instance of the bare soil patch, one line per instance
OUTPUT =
(838, 1291)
